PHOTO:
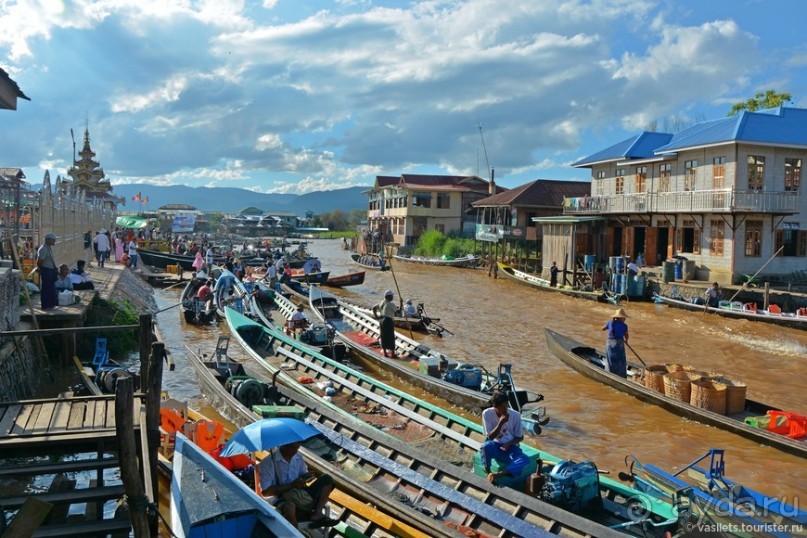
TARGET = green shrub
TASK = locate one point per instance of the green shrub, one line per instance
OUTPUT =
(105, 313)
(430, 244)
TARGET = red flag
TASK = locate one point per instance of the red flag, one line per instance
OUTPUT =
(136, 197)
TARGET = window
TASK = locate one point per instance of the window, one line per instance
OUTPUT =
(718, 172)
(664, 172)
(422, 199)
(792, 174)
(620, 181)
(601, 174)
(756, 172)
(690, 173)
(688, 238)
(641, 178)
(791, 240)
(440, 228)
(443, 200)
(718, 234)
(753, 238)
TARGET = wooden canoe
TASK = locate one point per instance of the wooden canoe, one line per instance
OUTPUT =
(361, 333)
(343, 281)
(589, 362)
(384, 472)
(543, 284)
(193, 310)
(463, 261)
(319, 277)
(373, 262)
(399, 414)
(739, 310)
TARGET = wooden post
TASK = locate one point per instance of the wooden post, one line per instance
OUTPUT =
(153, 393)
(565, 268)
(144, 333)
(766, 297)
(127, 452)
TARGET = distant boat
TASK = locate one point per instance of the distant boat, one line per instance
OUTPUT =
(374, 262)
(464, 261)
(343, 281)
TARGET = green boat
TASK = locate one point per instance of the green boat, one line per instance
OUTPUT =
(398, 414)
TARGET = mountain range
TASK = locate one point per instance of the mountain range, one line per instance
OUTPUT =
(233, 200)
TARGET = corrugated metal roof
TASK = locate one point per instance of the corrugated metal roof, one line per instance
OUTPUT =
(780, 126)
(640, 146)
(435, 183)
(538, 193)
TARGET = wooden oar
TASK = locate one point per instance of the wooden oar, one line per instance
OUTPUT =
(637, 355)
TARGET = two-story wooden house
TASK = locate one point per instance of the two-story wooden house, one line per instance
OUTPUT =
(725, 194)
(405, 207)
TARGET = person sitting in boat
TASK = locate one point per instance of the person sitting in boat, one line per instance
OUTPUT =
(80, 278)
(284, 470)
(63, 281)
(503, 434)
(713, 295)
(297, 322)
(286, 276)
(205, 295)
(409, 309)
(385, 311)
(615, 360)
(234, 301)
(311, 266)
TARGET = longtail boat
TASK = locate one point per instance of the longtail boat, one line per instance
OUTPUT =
(373, 262)
(461, 384)
(399, 414)
(195, 311)
(738, 310)
(543, 284)
(343, 281)
(435, 499)
(418, 322)
(589, 362)
(462, 261)
(319, 277)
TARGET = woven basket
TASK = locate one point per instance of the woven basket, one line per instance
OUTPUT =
(735, 395)
(672, 367)
(653, 377)
(709, 395)
(677, 384)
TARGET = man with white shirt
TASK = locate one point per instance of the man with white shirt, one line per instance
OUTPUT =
(504, 432)
(101, 247)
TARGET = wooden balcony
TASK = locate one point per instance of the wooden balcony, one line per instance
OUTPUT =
(709, 201)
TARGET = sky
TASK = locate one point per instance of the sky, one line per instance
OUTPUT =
(295, 96)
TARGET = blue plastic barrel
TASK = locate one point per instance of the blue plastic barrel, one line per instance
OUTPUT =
(679, 270)
(612, 261)
(589, 260)
(620, 265)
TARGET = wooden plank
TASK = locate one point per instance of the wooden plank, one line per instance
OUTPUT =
(84, 528)
(89, 415)
(73, 497)
(22, 419)
(69, 466)
(110, 415)
(61, 414)
(9, 419)
(43, 421)
(33, 512)
(77, 410)
(100, 414)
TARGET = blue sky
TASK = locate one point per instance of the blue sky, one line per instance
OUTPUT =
(294, 96)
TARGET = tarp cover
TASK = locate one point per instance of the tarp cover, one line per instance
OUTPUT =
(131, 221)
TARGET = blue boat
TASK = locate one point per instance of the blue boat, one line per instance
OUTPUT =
(717, 502)
(208, 500)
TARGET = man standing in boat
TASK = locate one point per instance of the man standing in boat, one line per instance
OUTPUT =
(385, 311)
(713, 295)
(504, 433)
(616, 362)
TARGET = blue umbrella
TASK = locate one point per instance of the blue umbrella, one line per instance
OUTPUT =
(268, 433)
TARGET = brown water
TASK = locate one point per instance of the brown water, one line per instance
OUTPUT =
(497, 320)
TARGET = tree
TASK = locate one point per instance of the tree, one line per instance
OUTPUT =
(762, 101)
(214, 220)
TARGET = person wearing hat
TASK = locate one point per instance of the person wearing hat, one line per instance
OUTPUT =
(46, 265)
(385, 311)
(409, 309)
(297, 321)
(616, 362)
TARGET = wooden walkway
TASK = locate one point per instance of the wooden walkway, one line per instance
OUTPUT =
(52, 428)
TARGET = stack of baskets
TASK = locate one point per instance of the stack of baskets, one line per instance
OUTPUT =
(708, 394)
(735, 394)
(678, 384)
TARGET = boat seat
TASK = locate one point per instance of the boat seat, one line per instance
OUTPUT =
(101, 354)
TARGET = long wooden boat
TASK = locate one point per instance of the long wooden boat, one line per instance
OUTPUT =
(161, 260)
(419, 322)
(717, 497)
(320, 277)
(738, 310)
(194, 310)
(543, 284)
(343, 281)
(367, 464)
(209, 500)
(463, 261)
(589, 362)
(373, 262)
(461, 384)
(239, 299)
(427, 427)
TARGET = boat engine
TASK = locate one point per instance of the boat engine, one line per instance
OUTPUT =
(247, 391)
(319, 335)
(465, 375)
(573, 486)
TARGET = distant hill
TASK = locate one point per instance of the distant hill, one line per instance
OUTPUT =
(230, 200)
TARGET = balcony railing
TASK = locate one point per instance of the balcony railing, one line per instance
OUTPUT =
(711, 201)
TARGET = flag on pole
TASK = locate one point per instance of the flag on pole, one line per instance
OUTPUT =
(146, 200)
(136, 197)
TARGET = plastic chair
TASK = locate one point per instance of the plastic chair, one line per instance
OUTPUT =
(774, 309)
(101, 354)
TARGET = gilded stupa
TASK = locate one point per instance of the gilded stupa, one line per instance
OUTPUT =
(88, 176)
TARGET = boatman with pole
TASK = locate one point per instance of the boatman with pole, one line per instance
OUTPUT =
(616, 361)
(385, 312)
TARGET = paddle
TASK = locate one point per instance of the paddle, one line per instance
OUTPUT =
(637, 355)
(168, 308)
(176, 284)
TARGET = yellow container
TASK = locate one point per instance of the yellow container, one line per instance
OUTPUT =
(27, 267)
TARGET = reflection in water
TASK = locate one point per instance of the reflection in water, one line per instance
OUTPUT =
(496, 320)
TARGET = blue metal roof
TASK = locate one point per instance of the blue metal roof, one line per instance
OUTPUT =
(780, 126)
(640, 146)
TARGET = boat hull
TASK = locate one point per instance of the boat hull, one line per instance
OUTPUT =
(785, 319)
(464, 261)
(343, 281)
(542, 284)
